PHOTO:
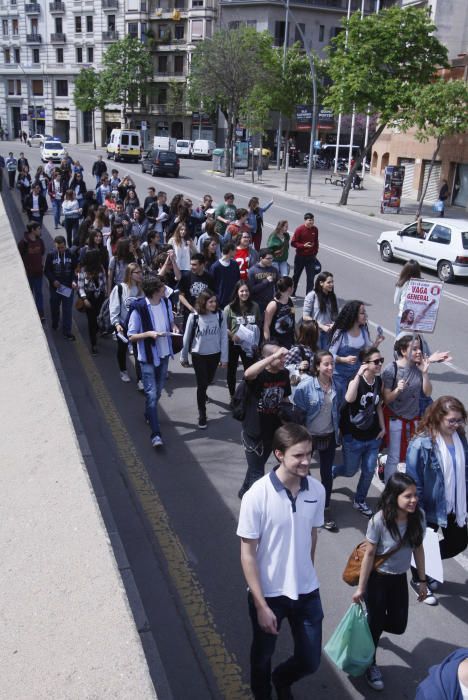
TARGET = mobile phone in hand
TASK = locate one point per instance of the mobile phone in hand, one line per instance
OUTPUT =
(379, 330)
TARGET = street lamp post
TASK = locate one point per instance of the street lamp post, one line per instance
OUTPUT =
(314, 99)
(280, 118)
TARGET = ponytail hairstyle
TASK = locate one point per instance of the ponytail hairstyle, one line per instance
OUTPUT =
(282, 285)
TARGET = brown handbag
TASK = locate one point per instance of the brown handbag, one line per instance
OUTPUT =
(79, 304)
(352, 569)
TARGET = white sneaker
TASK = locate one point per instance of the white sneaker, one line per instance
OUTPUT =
(374, 677)
(130, 349)
(140, 386)
(124, 377)
(430, 599)
(363, 508)
(156, 441)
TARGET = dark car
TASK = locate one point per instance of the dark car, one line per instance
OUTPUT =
(161, 163)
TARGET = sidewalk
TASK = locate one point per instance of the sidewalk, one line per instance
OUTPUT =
(365, 202)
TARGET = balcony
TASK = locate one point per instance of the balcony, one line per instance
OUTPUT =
(33, 39)
(111, 35)
(56, 7)
(158, 109)
(32, 8)
(58, 38)
(110, 4)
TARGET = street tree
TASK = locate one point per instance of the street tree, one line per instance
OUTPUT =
(378, 64)
(440, 110)
(127, 68)
(87, 95)
(255, 113)
(223, 73)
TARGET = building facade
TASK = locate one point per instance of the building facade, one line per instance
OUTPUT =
(394, 148)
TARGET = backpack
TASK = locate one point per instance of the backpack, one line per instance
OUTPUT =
(103, 319)
(239, 401)
(195, 327)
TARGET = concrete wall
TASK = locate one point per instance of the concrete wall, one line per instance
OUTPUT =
(66, 627)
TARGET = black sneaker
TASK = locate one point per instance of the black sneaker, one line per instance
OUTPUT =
(94, 351)
(202, 422)
(69, 336)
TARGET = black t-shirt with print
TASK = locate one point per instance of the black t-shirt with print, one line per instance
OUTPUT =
(192, 285)
(268, 391)
(364, 398)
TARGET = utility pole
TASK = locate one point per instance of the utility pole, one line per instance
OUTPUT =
(280, 118)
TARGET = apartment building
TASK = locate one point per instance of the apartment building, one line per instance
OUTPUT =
(43, 46)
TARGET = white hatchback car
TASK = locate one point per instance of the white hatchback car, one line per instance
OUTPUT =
(38, 139)
(54, 150)
(444, 246)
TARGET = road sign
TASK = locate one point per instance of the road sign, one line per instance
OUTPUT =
(421, 306)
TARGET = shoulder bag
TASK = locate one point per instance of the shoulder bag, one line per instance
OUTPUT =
(352, 569)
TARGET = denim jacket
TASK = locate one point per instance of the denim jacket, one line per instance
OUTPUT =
(422, 464)
(309, 397)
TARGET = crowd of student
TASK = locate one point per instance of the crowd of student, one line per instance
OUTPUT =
(195, 279)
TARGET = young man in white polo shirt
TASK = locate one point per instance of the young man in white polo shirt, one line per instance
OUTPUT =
(278, 522)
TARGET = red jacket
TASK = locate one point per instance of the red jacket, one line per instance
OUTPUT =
(304, 235)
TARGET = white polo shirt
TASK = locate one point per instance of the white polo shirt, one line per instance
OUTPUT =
(283, 527)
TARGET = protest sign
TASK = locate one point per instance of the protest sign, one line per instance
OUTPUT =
(421, 306)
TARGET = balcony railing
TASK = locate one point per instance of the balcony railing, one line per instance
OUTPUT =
(57, 6)
(110, 4)
(158, 109)
(111, 35)
(33, 38)
(58, 38)
(32, 8)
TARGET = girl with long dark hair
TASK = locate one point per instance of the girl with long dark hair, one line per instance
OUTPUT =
(350, 335)
(124, 255)
(280, 321)
(318, 398)
(397, 527)
(119, 304)
(300, 355)
(209, 252)
(437, 459)
(94, 242)
(206, 339)
(241, 311)
(321, 305)
(92, 290)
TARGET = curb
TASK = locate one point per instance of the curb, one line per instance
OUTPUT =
(304, 198)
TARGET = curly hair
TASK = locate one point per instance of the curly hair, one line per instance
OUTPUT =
(441, 407)
(346, 319)
(388, 504)
(324, 299)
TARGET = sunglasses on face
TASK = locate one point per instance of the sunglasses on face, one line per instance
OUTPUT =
(380, 361)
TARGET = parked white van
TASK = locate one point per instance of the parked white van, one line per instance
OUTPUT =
(202, 148)
(184, 148)
(124, 145)
(164, 143)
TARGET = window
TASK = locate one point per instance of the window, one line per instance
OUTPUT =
(321, 32)
(197, 29)
(132, 29)
(197, 3)
(59, 55)
(297, 36)
(14, 87)
(179, 4)
(89, 23)
(6, 55)
(78, 29)
(162, 96)
(110, 23)
(79, 54)
(441, 234)
(178, 65)
(162, 64)
(251, 23)
(179, 31)
(37, 88)
(14, 27)
(61, 88)
(17, 55)
(208, 28)
(5, 27)
(234, 24)
(90, 54)
(35, 56)
(280, 28)
(58, 25)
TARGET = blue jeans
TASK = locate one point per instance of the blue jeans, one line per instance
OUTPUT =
(282, 267)
(359, 454)
(153, 379)
(35, 284)
(57, 207)
(57, 300)
(326, 458)
(305, 617)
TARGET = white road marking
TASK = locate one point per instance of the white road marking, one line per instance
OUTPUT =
(354, 230)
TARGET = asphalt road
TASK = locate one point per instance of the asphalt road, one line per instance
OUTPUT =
(176, 510)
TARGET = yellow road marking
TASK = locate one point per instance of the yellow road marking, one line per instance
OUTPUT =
(223, 664)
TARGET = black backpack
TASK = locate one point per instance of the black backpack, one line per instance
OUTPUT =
(239, 401)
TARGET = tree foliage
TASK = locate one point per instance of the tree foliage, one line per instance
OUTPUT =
(292, 86)
(87, 94)
(127, 67)
(224, 71)
(385, 59)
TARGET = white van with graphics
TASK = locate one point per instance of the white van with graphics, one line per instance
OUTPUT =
(124, 144)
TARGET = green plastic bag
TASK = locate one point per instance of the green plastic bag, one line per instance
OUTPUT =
(351, 646)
